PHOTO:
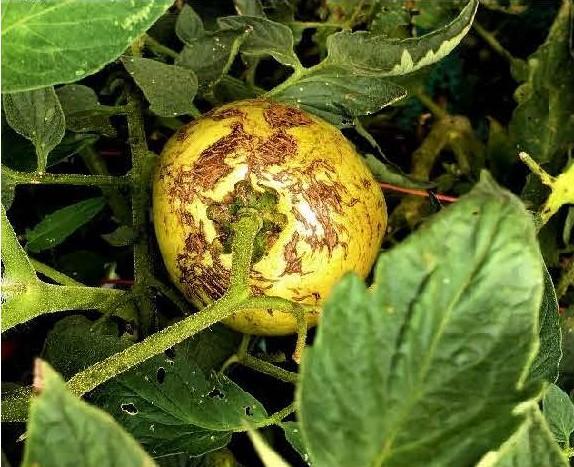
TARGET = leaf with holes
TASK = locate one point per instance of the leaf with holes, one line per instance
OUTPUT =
(170, 405)
(64, 430)
(427, 373)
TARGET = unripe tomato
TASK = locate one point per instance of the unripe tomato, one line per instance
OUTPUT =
(334, 210)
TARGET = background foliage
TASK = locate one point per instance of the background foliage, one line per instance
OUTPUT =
(462, 353)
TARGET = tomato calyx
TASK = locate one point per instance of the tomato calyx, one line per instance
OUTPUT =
(243, 199)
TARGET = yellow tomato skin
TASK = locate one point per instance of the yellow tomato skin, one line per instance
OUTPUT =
(336, 213)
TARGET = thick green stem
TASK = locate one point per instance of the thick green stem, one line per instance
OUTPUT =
(276, 418)
(14, 177)
(51, 273)
(142, 166)
(427, 101)
(287, 306)
(116, 201)
(267, 368)
(160, 341)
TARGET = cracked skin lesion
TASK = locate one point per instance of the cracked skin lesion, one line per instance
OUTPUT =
(324, 188)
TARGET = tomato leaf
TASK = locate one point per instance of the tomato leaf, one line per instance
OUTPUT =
(54, 41)
(543, 122)
(64, 430)
(421, 367)
(375, 55)
(265, 37)
(60, 224)
(38, 116)
(170, 405)
(188, 26)
(170, 89)
(332, 94)
(210, 56)
(83, 111)
(294, 436)
(547, 361)
(559, 413)
(530, 446)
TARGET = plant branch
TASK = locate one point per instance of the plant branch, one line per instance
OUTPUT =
(143, 162)
(153, 345)
(157, 47)
(268, 368)
(15, 177)
(493, 42)
(56, 276)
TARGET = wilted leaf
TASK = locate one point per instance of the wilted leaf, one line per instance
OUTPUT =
(38, 116)
(371, 54)
(420, 371)
(63, 430)
(56, 41)
(60, 224)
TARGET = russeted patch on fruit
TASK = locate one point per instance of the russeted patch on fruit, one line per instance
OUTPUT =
(323, 212)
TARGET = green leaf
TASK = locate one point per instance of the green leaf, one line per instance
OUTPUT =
(375, 55)
(268, 456)
(530, 446)
(419, 371)
(265, 37)
(124, 235)
(55, 41)
(210, 56)
(60, 224)
(38, 116)
(294, 436)
(543, 122)
(559, 413)
(83, 111)
(170, 405)
(188, 26)
(334, 95)
(384, 173)
(63, 430)
(249, 8)
(170, 89)
(75, 343)
(547, 361)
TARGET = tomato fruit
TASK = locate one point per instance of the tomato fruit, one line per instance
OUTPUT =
(334, 210)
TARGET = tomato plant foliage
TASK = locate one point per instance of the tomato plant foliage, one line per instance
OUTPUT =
(458, 348)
